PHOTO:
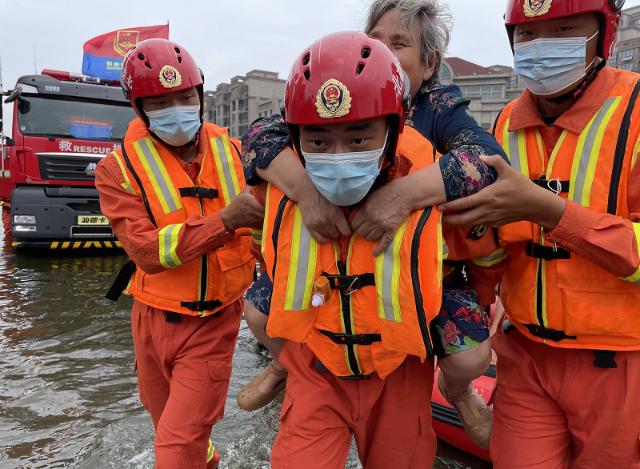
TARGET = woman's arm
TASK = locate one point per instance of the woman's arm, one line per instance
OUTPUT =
(268, 157)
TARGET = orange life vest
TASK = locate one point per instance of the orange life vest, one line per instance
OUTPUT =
(379, 308)
(550, 294)
(206, 285)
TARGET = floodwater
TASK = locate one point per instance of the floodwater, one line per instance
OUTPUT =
(68, 393)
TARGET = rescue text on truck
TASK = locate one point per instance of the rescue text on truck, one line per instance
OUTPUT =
(62, 125)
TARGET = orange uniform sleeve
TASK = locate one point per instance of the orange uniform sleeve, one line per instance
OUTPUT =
(609, 241)
(139, 237)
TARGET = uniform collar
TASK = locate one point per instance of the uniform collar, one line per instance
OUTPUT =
(525, 111)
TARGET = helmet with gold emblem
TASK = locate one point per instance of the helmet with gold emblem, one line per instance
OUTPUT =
(531, 11)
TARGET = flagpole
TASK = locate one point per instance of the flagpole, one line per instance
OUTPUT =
(35, 63)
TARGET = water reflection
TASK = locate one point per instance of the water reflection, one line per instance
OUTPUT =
(67, 389)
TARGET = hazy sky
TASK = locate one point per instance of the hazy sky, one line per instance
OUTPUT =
(227, 37)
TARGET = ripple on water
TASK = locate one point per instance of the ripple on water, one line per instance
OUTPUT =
(68, 393)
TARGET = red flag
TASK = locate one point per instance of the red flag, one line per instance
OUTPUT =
(103, 54)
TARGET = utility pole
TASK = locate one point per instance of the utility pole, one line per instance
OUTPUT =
(35, 63)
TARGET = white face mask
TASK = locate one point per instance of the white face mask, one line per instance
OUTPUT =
(175, 125)
(550, 65)
(344, 178)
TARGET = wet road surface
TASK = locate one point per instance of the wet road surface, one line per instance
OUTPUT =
(68, 394)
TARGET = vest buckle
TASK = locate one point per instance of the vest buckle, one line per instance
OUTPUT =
(547, 253)
(199, 306)
(351, 339)
(549, 334)
(198, 192)
(605, 359)
(349, 284)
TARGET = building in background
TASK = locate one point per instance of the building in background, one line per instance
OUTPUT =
(626, 54)
(488, 88)
(236, 104)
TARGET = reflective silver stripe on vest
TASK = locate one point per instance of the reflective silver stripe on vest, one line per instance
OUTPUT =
(302, 266)
(514, 151)
(589, 148)
(388, 279)
(230, 187)
(159, 173)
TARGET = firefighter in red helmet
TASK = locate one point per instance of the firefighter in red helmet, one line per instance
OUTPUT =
(174, 194)
(568, 209)
(358, 328)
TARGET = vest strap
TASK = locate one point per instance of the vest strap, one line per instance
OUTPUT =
(546, 253)
(351, 283)
(121, 281)
(549, 334)
(171, 316)
(201, 305)
(352, 339)
(198, 192)
(553, 185)
(605, 359)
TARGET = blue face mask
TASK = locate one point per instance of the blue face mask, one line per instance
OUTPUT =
(176, 126)
(550, 65)
(344, 178)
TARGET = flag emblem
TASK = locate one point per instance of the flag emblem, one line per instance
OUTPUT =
(333, 100)
(534, 8)
(124, 41)
(170, 77)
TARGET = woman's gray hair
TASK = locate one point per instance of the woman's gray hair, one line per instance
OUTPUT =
(433, 19)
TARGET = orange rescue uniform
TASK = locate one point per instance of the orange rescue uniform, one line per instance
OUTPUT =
(360, 364)
(188, 286)
(576, 288)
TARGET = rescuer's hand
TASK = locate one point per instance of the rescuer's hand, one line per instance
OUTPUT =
(513, 197)
(243, 212)
(324, 220)
(383, 211)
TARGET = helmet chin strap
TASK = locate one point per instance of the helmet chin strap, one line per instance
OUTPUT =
(581, 87)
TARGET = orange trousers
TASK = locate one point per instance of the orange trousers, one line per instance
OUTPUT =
(553, 409)
(183, 372)
(390, 419)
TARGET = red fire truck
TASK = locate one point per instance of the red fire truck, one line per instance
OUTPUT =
(62, 125)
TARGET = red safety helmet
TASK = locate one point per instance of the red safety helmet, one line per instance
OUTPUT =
(532, 11)
(158, 66)
(346, 77)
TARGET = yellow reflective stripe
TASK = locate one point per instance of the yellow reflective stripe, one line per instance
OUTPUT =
(554, 153)
(492, 259)
(441, 253)
(168, 243)
(302, 266)
(505, 139)
(158, 175)
(225, 168)
(587, 151)
(541, 148)
(343, 328)
(354, 330)
(635, 277)
(54, 245)
(265, 221)
(211, 451)
(634, 157)
(515, 146)
(256, 235)
(126, 185)
(388, 279)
